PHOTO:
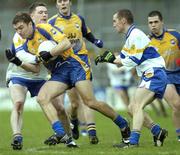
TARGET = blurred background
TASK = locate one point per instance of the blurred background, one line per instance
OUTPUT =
(98, 16)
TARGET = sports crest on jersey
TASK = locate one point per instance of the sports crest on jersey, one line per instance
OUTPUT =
(53, 31)
(173, 42)
(77, 26)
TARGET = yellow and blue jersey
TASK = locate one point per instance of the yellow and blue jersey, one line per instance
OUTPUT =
(75, 29)
(168, 46)
(42, 32)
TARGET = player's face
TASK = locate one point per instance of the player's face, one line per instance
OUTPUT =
(23, 29)
(155, 25)
(118, 24)
(40, 15)
(64, 6)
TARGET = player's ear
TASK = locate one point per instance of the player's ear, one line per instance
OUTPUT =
(124, 20)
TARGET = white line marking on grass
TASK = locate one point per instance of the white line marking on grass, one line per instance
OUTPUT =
(46, 150)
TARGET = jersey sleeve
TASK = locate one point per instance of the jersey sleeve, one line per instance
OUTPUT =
(85, 28)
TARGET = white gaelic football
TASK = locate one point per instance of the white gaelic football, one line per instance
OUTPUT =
(47, 45)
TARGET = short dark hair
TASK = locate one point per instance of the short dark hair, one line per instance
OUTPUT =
(127, 14)
(22, 17)
(34, 5)
(156, 13)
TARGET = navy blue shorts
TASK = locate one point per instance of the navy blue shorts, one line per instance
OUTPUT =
(33, 86)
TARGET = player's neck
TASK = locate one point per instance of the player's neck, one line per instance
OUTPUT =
(159, 33)
(65, 14)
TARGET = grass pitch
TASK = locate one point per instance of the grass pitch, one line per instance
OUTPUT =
(36, 129)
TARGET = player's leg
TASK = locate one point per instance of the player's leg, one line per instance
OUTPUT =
(18, 95)
(143, 97)
(90, 122)
(148, 123)
(86, 92)
(47, 93)
(173, 99)
(123, 93)
(75, 100)
(73, 111)
(162, 108)
(58, 103)
(62, 114)
(82, 120)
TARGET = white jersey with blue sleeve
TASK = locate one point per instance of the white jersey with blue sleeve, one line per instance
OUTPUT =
(138, 52)
(15, 71)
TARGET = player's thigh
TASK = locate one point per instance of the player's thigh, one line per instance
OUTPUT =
(171, 95)
(143, 97)
(18, 93)
(52, 89)
(85, 89)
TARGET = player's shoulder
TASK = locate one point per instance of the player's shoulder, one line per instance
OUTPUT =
(137, 34)
(18, 40)
(52, 18)
(16, 37)
(173, 32)
(78, 16)
(45, 26)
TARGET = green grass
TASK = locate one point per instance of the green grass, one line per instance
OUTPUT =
(36, 129)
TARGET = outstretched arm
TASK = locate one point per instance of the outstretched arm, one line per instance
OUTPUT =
(108, 57)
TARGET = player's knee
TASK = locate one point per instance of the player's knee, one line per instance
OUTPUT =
(19, 106)
(136, 108)
(176, 105)
(91, 103)
(74, 105)
(42, 99)
(130, 109)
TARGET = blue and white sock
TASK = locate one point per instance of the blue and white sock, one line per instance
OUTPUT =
(58, 128)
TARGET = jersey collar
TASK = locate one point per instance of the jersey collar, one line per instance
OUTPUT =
(65, 17)
(130, 30)
(160, 36)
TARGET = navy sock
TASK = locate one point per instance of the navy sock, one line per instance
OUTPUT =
(58, 128)
(121, 122)
(75, 122)
(134, 138)
(155, 129)
(91, 127)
